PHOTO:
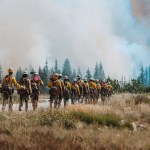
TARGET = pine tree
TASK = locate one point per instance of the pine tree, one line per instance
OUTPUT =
(46, 73)
(79, 72)
(96, 72)
(149, 75)
(101, 72)
(56, 70)
(66, 71)
(74, 74)
(18, 74)
(41, 72)
(142, 75)
(59, 71)
(88, 74)
(52, 70)
(146, 77)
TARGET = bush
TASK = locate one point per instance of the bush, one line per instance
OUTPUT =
(96, 118)
(58, 118)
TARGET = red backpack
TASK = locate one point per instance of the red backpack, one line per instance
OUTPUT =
(36, 78)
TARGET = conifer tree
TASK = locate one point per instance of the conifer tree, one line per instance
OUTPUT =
(146, 77)
(18, 74)
(66, 71)
(74, 74)
(46, 73)
(96, 72)
(88, 74)
(149, 76)
(142, 75)
(56, 70)
(102, 73)
(79, 72)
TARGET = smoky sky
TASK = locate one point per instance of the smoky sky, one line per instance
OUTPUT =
(84, 31)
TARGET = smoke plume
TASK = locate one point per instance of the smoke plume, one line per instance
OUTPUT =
(84, 31)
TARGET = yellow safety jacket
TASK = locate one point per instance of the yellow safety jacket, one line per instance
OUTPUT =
(62, 84)
(77, 87)
(93, 85)
(87, 86)
(80, 82)
(109, 87)
(98, 86)
(68, 86)
(55, 83)
(12, 82)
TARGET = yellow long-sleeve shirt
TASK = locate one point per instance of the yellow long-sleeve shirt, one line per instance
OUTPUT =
(93, 85)
(55, 83)
(98, 86)
(109, 87)
(12, 82)
(87, 86)
(68, 86)
(75, 85)
(62, 83)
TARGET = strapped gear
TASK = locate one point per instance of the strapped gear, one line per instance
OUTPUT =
(53, 90)
(36, 78)
(34, 87)
(7, 88)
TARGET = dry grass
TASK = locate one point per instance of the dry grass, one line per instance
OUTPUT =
(79, 127)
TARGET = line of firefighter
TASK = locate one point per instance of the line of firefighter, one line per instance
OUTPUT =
(81, 91)
(58, 89)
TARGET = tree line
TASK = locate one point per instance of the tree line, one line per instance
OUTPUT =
(135, 85)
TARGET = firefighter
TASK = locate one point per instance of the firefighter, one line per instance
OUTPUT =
(109, 89)
(86, 90)
(75, 85)
(62, 86)
(8, 84)
(80, 83)
(98, 85)
(93, 89)
(103, 91)
(67, 90)
(55, 89)
(24, 93)
(36, 83)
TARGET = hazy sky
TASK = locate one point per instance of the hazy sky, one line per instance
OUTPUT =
(85, 31)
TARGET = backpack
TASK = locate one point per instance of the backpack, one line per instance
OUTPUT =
(66, 91)
(34, 87)
(74, 89)
(52, 77)
(85, 90)
(6, 88)
(36, 78)
(54, 89)
(25, 83)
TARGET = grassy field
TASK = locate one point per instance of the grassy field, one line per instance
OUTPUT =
(123, 123)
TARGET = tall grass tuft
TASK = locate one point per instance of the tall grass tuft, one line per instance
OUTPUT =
(96, 118)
